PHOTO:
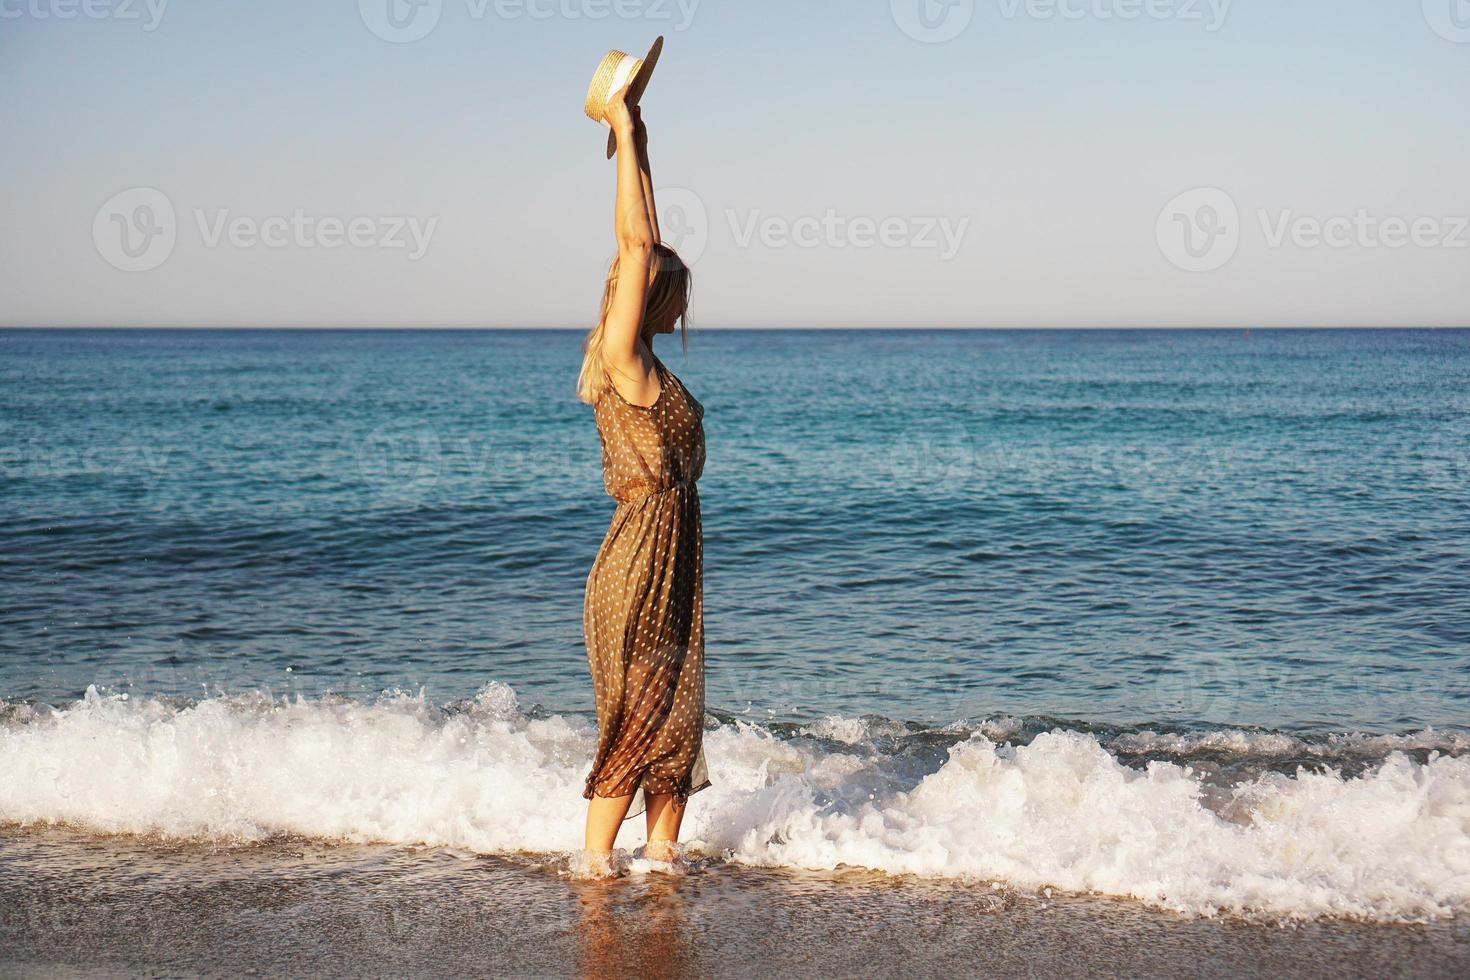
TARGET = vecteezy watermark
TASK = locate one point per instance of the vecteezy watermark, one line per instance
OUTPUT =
(144, 463)
(1200, 230)
(303, 230)
(833, 230)
(149, 13)
(406, 460)
(1210, 13)
(136, 230)
(401, 460)
(406, 21)
(1363, 230)
(1450, 19)
(936, 21)
(1198, 686)
(685, 225)
(933, 454)
(683, 222)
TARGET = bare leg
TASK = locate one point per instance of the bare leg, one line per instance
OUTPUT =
(664, 817)
(604, 817)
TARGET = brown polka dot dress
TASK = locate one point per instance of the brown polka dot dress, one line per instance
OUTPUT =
(643, 615)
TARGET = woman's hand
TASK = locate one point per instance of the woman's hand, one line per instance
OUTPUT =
(617, 113)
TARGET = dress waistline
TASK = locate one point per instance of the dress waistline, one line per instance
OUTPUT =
(683, 485)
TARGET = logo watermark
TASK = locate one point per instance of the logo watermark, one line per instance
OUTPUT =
(401, 460)
(1450, 19)
(400, 21)
(1201, 230)
(933, 455)
(933, 21)
(136, 230)
(406, 21)
(148, 13)
(683, 222)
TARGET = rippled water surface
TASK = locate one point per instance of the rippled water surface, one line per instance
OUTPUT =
(1117, 527)
(131, 906)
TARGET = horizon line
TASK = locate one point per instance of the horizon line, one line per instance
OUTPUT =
(1247, 328)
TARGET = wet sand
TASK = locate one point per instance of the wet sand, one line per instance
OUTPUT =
(74, 903)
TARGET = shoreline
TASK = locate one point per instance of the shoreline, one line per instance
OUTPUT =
(81, 902)
(1214, 823)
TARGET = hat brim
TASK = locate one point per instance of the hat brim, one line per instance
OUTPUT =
(636, 86)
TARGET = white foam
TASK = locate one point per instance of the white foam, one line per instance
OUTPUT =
(1061, 812)
(863, 731)
(400, 771)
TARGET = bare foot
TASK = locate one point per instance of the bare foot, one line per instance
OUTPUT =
(597, 864)
(666, 851)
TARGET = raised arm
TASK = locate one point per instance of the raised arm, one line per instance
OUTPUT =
(636, 238)
(640, 136)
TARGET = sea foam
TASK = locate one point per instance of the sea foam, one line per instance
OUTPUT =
(1060, 811)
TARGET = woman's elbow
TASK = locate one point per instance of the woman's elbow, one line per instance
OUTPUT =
(635, 244)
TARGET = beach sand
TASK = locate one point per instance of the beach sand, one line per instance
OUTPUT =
(75, 903)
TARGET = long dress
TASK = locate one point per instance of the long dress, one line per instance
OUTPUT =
(643, 613)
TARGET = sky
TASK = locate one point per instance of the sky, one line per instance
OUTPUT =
(867, 163)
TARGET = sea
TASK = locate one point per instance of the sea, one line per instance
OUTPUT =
(1171, 627)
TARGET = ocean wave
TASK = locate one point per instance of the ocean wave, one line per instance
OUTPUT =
(1331, 747)
(992, 802)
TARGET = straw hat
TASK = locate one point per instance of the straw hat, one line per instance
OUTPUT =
(619, 69)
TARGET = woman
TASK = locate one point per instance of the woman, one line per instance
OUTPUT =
(643, 614)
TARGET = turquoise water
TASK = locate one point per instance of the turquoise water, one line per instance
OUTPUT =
(1179, 617)
(1117, 528)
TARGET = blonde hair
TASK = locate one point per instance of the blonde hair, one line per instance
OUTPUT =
(668, 289)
